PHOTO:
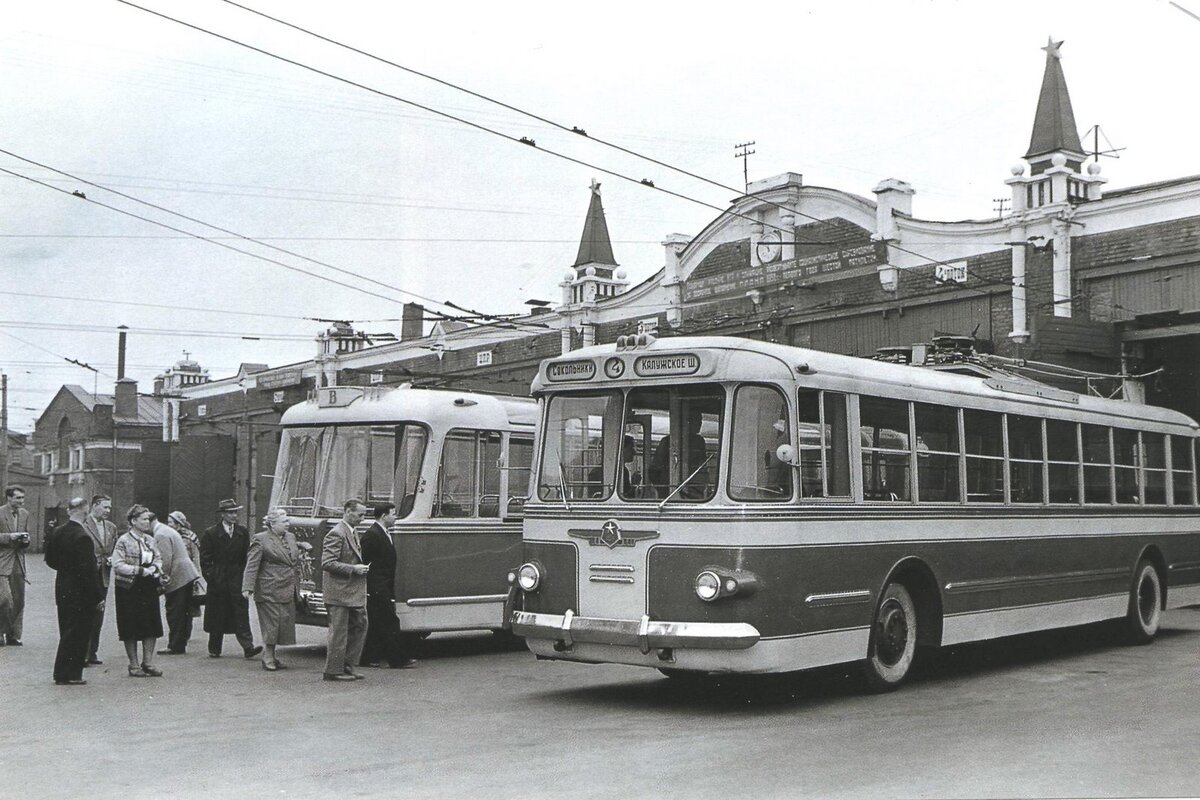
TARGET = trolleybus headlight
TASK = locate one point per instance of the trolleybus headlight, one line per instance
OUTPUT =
(529, 577)
(708, 586)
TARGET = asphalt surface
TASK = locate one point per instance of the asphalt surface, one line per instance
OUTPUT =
(1065, 714)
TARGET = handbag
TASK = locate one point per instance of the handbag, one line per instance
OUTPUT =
(199, 592)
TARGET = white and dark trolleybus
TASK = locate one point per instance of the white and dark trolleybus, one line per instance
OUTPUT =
(456, 464)
(724, 505)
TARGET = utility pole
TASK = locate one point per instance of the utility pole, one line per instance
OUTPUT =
(4, 429)
(744, 152)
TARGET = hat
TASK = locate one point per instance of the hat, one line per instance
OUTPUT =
(179, 519)
(228, 505)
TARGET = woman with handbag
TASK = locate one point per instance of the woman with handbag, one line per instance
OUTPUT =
(138, 575)
(271, 578)
(179, 521)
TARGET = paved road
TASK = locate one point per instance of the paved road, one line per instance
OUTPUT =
(1067, 714)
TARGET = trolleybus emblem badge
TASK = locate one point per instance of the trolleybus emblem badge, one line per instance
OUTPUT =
(611, 536)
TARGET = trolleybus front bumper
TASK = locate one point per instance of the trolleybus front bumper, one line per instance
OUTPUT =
(645, 634)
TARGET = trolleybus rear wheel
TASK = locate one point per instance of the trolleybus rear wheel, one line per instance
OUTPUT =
(893, 643)
(1145, 604)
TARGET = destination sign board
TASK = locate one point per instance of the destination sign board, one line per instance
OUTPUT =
(337, 396)
(562, 371)
(672, 364)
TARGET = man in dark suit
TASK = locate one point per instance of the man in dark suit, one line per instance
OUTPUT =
(14, 538)
(344, 590)
(77, 592)
(384, 642)
(222, 562)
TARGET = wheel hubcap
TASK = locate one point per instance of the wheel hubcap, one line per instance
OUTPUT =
(891, 635)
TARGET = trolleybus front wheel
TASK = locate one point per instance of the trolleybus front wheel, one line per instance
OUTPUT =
(893, 643)
(1145, 604)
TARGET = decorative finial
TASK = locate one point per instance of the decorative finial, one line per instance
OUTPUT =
(595, 187)
(1052, 46)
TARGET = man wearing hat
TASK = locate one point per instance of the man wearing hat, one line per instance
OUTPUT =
(222, 561)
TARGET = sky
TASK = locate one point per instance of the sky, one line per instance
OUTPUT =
(386, 202)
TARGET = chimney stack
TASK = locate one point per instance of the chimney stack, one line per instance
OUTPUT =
(412, 322)
(121, 352)
(126, 403)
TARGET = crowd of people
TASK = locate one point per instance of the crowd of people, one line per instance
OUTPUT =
(155, 564)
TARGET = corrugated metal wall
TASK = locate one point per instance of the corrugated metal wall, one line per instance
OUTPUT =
(863, 334)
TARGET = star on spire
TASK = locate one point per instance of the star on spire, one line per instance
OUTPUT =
(596, 185)
(1052, 46)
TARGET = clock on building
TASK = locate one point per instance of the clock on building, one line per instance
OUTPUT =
(770, 246)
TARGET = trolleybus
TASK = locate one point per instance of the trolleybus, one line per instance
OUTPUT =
(724, 505)
(455, 464)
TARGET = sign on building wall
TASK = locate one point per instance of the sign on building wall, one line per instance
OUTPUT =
(808, 267)
(483, 358)
(279, 379)
(951, 273)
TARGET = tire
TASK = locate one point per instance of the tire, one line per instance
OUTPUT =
(893, 644)
(1145, 604)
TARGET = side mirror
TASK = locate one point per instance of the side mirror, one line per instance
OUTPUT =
(787, 455)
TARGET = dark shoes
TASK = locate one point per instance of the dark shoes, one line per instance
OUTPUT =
(93, 662)
(343, 677)
(14, 641)
(72, 682)
(251, 652)
(408, 663)
(170, 652)
(211, 654)
(153, 672)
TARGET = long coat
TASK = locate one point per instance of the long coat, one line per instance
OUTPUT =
(223, 562)
(272, 568)
(380, 553)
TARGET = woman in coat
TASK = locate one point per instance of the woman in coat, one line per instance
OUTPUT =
(179, 521)
(180, 573)
(271, 577)
(138, 575)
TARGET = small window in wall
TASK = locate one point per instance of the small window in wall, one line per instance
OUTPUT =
(886, 455)
(1025, 462)
(938, 456)
(984, 439)
(1062, 456)
(1097, 464)
(1182, 482)
(1153, 458)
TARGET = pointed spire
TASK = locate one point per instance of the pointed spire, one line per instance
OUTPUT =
(595, 246)
(1054, 124)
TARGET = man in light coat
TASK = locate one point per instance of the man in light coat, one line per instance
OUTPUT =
(181, 573)
(104, 538)
(344, 589)
(14, 538)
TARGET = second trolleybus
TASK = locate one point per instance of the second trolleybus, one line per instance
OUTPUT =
(456, 466)
(724, 505)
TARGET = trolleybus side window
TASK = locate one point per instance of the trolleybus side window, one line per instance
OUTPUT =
(823, 444)
(983, 435)
(1181, 470)
(1097, 464)
(938, 453)
(574, 458)
(685, 424)
(381, 471)
(1025, 462)
(412, 441)
(469, 476)
(520, 457)
(1062, 455)
(886, 455)
(1153, 459)
(1126, 462)
(760, 425)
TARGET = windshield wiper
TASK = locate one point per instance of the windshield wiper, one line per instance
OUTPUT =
(684, 482)
(562, 485)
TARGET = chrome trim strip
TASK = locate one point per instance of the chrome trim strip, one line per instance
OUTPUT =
(838, 598)
(1184, 565)
(456, 601)
(644, 634)
(1013, 582)
(611, 568)
(610, 579)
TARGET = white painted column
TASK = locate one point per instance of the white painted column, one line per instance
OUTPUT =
(1062, 267)
(1020, 314)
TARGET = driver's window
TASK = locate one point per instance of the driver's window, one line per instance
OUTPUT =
(760, 425)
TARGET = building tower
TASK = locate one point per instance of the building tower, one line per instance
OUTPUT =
(1044, 200)
(593, 277)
